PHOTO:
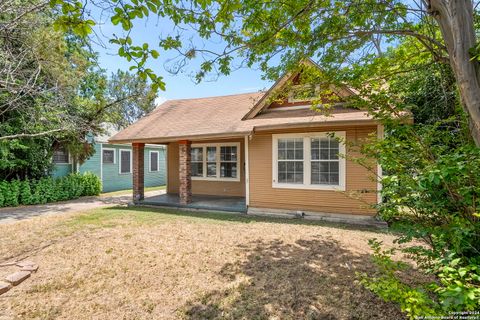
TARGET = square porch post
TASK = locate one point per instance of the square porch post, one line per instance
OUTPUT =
(138, 170)
(185, 172)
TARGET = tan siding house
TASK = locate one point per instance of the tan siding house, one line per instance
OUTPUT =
(261, 154)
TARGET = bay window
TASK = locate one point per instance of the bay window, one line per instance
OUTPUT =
(217, 161)
(309, 161)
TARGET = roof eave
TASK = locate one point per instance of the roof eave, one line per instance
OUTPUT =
(316, 124)
(164, 140)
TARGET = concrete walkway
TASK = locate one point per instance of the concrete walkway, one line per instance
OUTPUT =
(82, 204)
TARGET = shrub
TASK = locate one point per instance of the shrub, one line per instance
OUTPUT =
(92, 186)
(430, 190)
(48, 189)
(25, 192)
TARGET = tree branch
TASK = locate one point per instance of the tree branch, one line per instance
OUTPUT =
(31, 135)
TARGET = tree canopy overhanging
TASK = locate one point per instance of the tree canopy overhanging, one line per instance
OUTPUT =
(340, 36)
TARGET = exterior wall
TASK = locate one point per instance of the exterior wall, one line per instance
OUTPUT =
(204, 187)
(113, 180)
(263, 195)
(61, 169)
(93, 164)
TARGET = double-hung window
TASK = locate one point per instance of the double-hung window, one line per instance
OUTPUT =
(125, 161)
(154, 160)
(218, 161)
(309, 161)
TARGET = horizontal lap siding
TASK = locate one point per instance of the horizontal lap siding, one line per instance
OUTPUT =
(113, 180)
(61, 170)
(93, 163)
(357, 179)
(227, 188)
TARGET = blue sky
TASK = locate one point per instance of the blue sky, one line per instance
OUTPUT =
(180, 85)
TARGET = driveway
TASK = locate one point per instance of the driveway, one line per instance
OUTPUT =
(81, 204)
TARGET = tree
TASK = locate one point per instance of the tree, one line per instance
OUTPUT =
(131, 97)
(337, 35)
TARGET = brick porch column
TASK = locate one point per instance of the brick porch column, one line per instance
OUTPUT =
(138, 170)
(185, 172)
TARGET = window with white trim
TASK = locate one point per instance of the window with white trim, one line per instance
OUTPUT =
(228, 161)
(196, 161)
(219, 161)
(290, 160)
(309, 161)
(125, 161)
(154, 161)
(108, 156)
(325, 162)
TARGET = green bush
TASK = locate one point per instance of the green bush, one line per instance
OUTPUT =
(25, 192)
(48, 189)
(430, 189)
(92, 186)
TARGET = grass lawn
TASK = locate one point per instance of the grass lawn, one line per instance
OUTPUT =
(129, 191)
(141, 263)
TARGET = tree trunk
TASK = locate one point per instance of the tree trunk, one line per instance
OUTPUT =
(455, 18)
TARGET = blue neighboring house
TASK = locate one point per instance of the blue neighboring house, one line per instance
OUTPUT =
(112, 163)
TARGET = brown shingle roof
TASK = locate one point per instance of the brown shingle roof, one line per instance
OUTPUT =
(222, 116)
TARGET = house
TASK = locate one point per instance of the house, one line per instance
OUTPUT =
(260, 155)
(112, 163)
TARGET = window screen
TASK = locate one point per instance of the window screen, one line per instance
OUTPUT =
(153, 161)
(124, 161)
(108, 156)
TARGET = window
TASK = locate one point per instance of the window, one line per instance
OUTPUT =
(228, 162)
(197, 161)
(108, 156)
(211, 161)
(60, 155)
(325, 161)
(290, 160)
(154, 161)
(309, 161)
(218, 161)
(125, 161)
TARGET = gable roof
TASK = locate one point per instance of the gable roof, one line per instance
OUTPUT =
(216, 117)
(264, 102)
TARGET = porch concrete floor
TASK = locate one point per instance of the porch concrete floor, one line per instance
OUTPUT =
(203, 202)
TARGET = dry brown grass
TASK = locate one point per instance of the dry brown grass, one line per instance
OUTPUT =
(119, 263)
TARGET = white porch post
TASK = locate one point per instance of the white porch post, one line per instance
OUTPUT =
(247, 174)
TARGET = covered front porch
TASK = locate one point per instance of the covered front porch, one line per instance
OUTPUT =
(199, 202)
(215, 179)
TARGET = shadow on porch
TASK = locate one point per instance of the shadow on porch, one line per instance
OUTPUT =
(202, 202)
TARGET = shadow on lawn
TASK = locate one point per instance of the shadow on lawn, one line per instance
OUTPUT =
(244, 218)
(311, 279)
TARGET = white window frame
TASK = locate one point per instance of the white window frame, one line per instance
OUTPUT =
(114, 155)
(307, 161)
(120, 161)
(291, 94)
(218, 161)
(150, 161)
